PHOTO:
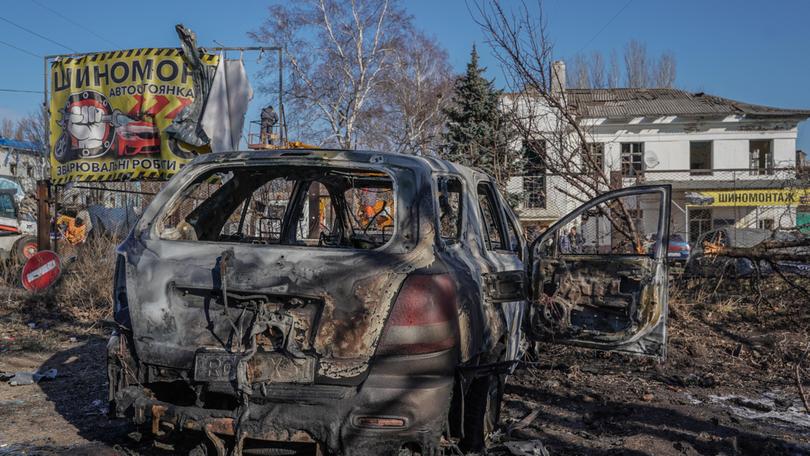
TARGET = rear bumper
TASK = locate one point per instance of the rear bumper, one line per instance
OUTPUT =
(332, 417)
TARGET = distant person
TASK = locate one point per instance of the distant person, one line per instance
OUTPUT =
(269, 120)
(75, 228)
(571, 242)
(577, 240)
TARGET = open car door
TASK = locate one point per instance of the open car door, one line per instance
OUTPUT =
(599, 275)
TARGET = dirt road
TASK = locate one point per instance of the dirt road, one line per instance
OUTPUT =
(726, 389)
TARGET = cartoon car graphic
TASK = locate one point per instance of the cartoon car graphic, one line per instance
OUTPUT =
(137, 137)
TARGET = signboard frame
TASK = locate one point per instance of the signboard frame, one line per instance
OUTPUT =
(49, 59)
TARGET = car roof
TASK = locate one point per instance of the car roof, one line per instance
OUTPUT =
(428, 164)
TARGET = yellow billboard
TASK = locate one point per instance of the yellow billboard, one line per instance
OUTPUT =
(109, 112)
(749, 197)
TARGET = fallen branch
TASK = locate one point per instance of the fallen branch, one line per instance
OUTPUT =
(766, 250)
(799, 379)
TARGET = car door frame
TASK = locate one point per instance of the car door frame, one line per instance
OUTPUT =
(651, 340)
(504, 284)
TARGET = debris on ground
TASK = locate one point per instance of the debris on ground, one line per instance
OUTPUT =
(526, 448)
(28, 378)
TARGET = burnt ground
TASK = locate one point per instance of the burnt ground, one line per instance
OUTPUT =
(727, 388)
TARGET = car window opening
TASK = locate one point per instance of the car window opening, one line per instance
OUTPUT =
(316, 207)
(450, 208)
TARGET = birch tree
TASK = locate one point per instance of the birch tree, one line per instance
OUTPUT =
(407, 114)
(337, 52)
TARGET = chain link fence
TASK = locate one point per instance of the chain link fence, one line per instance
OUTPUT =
(108, 210)
(702, 200)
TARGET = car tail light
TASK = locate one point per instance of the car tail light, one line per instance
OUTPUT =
(424, 318)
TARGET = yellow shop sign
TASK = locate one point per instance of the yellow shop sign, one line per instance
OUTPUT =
(750, 197)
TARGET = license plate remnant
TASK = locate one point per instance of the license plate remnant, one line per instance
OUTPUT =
(263, 367)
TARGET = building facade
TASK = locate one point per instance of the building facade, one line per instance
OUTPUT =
(23, 162)
(729, 162)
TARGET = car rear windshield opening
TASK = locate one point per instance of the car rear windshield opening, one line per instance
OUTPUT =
(290, 205)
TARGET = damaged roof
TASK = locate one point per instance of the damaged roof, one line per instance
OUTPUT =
(612, 103)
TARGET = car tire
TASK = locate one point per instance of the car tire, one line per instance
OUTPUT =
(482, 410)
(24, 248)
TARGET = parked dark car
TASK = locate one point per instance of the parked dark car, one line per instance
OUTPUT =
(359, 303)
(700, 265)
(678, 250)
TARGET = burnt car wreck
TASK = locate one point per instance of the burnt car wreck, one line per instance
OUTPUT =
(359, 303)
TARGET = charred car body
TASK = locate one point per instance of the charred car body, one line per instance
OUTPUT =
(357, 302)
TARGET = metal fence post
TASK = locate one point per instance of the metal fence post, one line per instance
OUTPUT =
(43, 215)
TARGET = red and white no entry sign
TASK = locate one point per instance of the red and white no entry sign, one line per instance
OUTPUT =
(41, 271)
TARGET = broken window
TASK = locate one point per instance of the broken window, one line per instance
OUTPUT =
(761, 157)
(7, 206)
(512, 233)
(321, 207)
(450, 207)
(534, 169)
(626, 225)
(700, 158)
(318, 217)
(258, 218)
(632, 159)
(491, 217)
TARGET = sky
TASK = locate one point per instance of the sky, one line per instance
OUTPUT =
(749, 50)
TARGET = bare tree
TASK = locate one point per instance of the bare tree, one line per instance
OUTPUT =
(579, 73)
(597, 70)
(615, 72)
(664, 70)
(541, 111)
(337, 52)
(639, 69)
(8, 129)
(407, 114)
(34, 128)
(636, 65)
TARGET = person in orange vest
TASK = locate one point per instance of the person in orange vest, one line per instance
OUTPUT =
(384, 219)
(75, 228)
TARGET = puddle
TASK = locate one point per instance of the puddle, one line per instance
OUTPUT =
(771, 406)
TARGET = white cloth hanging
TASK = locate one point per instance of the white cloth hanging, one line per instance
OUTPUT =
(224, 115)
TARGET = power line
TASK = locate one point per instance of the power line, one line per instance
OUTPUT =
(36, 34)
(71, 21)
(21, 49)
(606, 25)
(20, 91)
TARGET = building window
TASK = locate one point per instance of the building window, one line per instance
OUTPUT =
(765, 224)
(597, 154)
(700, 222)
(760, 153)
(632, 159)
(534, 170)
(700, 158)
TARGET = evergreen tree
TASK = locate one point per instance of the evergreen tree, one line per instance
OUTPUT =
(479, 133)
